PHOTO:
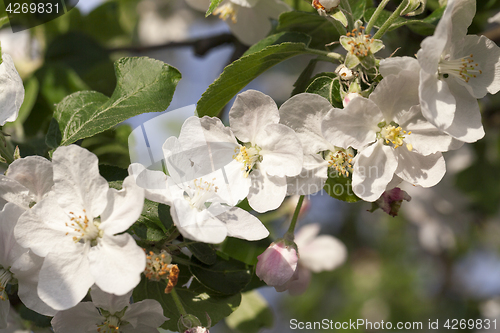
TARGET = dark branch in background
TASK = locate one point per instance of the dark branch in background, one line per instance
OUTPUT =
(200, 46)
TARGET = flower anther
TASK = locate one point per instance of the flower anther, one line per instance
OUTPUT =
(360, 44)
(228, 10)
(248, 157)
(340, 160)
(5, 278)
(88, 229)
(393, 134)
(200, 194)
(464, 68)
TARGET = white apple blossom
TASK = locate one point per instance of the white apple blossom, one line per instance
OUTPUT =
(18, 266)
(317, 254)
(456, 70)
(391, 136)
(78, 229)
(11, 90)
(304, 113)
(110, 313)
(249, 20)
(199, 201)
(26, 181)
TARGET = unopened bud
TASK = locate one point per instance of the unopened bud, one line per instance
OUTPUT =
(414, 7)
(344, 73)
(390, 201)
(326, 5)
(349, 97)
(277, 263)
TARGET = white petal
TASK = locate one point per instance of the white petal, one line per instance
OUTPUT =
(145, 313)
(432, 48)
(252, 111)
(396, 94)
(437, 102)
(324, 253)
(78, 183)
(306, 235)
(273, 8)
(109, 302)
(355, 126)
(26, 270)
(124, 207)
(462, 13)
(393, 66)
(242, 224)
(198, 226)
(466, 125)
(267, 192)
(312, 177)
(12, 191)
(300, 285)
(10, 250)
(64, 279)
(83, 318)
(373, 170)
(246, 3)
(153, 182)
(117, 256)
(43, 228)
(11, 92)
(420, 170)
(425, 138)
(304, 113)
(487, 55)
(251, 25)
(281, 151)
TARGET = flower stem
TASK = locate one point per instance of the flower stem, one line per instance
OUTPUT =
(383, 29)
(330, 55)
(178, 302)
(375, 15)
(291, 229)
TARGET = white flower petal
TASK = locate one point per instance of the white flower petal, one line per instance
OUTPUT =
(374, 168)
(250, 113)
(300, 285)
(26, 270)
(393, 66)
(304, 113)
(425, 138)
(324, 253)
(109, 302)
(466, 125)
(417, 169)
(117, 256)
(281, 151)
(78, 183)
(12, 191)
(34, 173)
(462, 13)
(312, 177)
(12, 91)
(487, 55)
(83, 318)
(252, 25)
(267, 192)
(242, 224)
(396, 94)
(153, 182)
(43, 229)
(148, 313)
(124, 207)
(64, 279)
(10, 250)
(437, 103)
(355, 126)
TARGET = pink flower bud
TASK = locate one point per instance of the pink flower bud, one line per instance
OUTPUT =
(349, 97)
(390, 201)
(197, 329)
(277, 263)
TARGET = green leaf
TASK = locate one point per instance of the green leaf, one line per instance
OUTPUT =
(276, 39)
(144, 85)
(303, 80)
(238, 74)
(203, 252)
(213, 4)
(243, 250)
(164, 216)
(326, 85)
(339, 187)
(196, 300)
(321, 30)
(252, 315)
(112, 173)
(148, 226)
(102, 22)
(227, 277)
(358, 8)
